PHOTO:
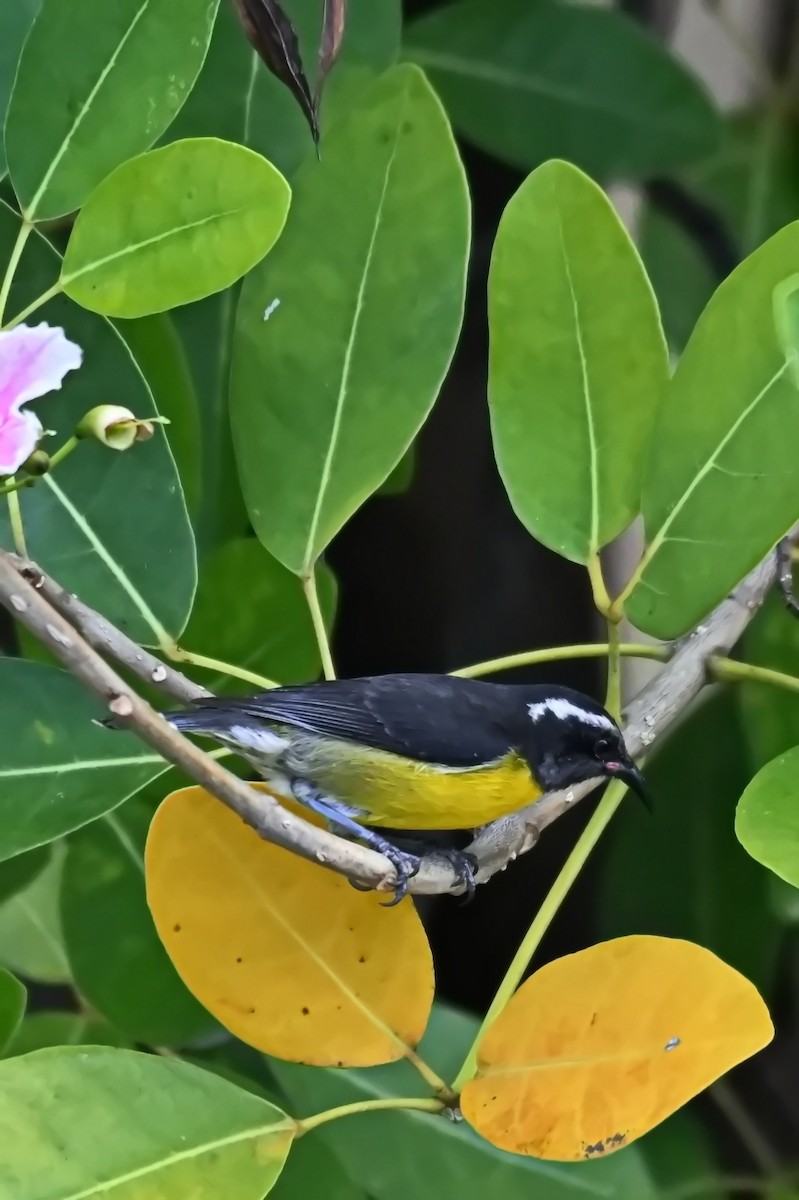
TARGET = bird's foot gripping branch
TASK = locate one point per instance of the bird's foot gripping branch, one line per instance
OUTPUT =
(189, 875)
(83, 640)
(229, 987)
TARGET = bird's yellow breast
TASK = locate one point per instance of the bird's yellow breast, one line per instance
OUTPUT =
(396, 792)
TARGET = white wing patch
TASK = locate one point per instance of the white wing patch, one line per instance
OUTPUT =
(562, 709)
(261, 741)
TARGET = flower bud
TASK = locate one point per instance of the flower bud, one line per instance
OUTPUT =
(37, 463)
(116, 427)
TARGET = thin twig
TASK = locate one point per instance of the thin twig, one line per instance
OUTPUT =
(650, 716)
(311, 589)
(107, 639)
(256, 808)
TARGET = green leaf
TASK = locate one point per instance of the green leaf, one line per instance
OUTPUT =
(722, 480)
(137, 565)
(681, 274)
(58, 770)
(767, 817)
(13, 996)
(679, 1153)
(784, 900)
(401, 478)
(110, 938)
(750, 184)
(354, 332)
(214, 210)
(266, 627)
(136, 1125)
(786, 315)
(577, 362)
(395, 1155)
(31, 942)
(206, 330)
(161, 358)
(752, 180)
(238, 99)
(312, 1172)
(115, 77)
(529, 82)
(53, 1028)
(769, 715)
(16, 19)
(681, 873)
(16, 873)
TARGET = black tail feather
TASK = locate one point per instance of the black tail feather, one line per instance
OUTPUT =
(199, 720)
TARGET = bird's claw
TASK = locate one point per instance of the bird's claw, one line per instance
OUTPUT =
(464, 866)
(406, 866)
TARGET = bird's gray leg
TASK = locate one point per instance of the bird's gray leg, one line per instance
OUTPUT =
(339, 817)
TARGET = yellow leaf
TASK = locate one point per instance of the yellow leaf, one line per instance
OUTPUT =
(598, 1047)
(286, 955)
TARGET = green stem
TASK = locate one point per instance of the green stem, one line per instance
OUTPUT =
(50, 294)
(318, 621)
(543, 919)
(63, 451)
(418, 1103)
(15, 520)
(178, 654)
(747, 1131)
(558, 653)
(729, 670)
(25, 231)
(442, 1090)
(16, 485)
(613, 694)
(601, 598)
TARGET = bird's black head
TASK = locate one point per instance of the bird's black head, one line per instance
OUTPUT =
(567, 738)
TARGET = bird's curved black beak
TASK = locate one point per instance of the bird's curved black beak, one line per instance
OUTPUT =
(629, 773)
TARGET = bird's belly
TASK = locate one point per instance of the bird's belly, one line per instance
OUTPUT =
(388, 790)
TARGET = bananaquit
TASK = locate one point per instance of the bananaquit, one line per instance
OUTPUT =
(416, 752)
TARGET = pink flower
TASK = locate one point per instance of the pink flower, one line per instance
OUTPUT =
(33, 361)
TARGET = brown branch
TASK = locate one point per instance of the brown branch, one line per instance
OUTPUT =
(261, 811)
(650, 715)
(107, 639)
(75, 633)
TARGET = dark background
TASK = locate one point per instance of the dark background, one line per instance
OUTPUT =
(453, 578)
(444, 574)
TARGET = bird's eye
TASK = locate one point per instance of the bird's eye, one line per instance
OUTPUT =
(601, 747)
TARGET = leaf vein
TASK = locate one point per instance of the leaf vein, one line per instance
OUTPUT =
(110, 562)
(335, 433)
(134, 247)
(84, 108)
(182, 1156)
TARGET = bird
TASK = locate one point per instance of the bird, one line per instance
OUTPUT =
(421, 752)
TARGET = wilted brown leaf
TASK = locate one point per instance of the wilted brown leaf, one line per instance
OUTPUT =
(334, 20)
(274, 39)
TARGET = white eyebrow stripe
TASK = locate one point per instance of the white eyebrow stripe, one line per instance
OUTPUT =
(561, 709)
